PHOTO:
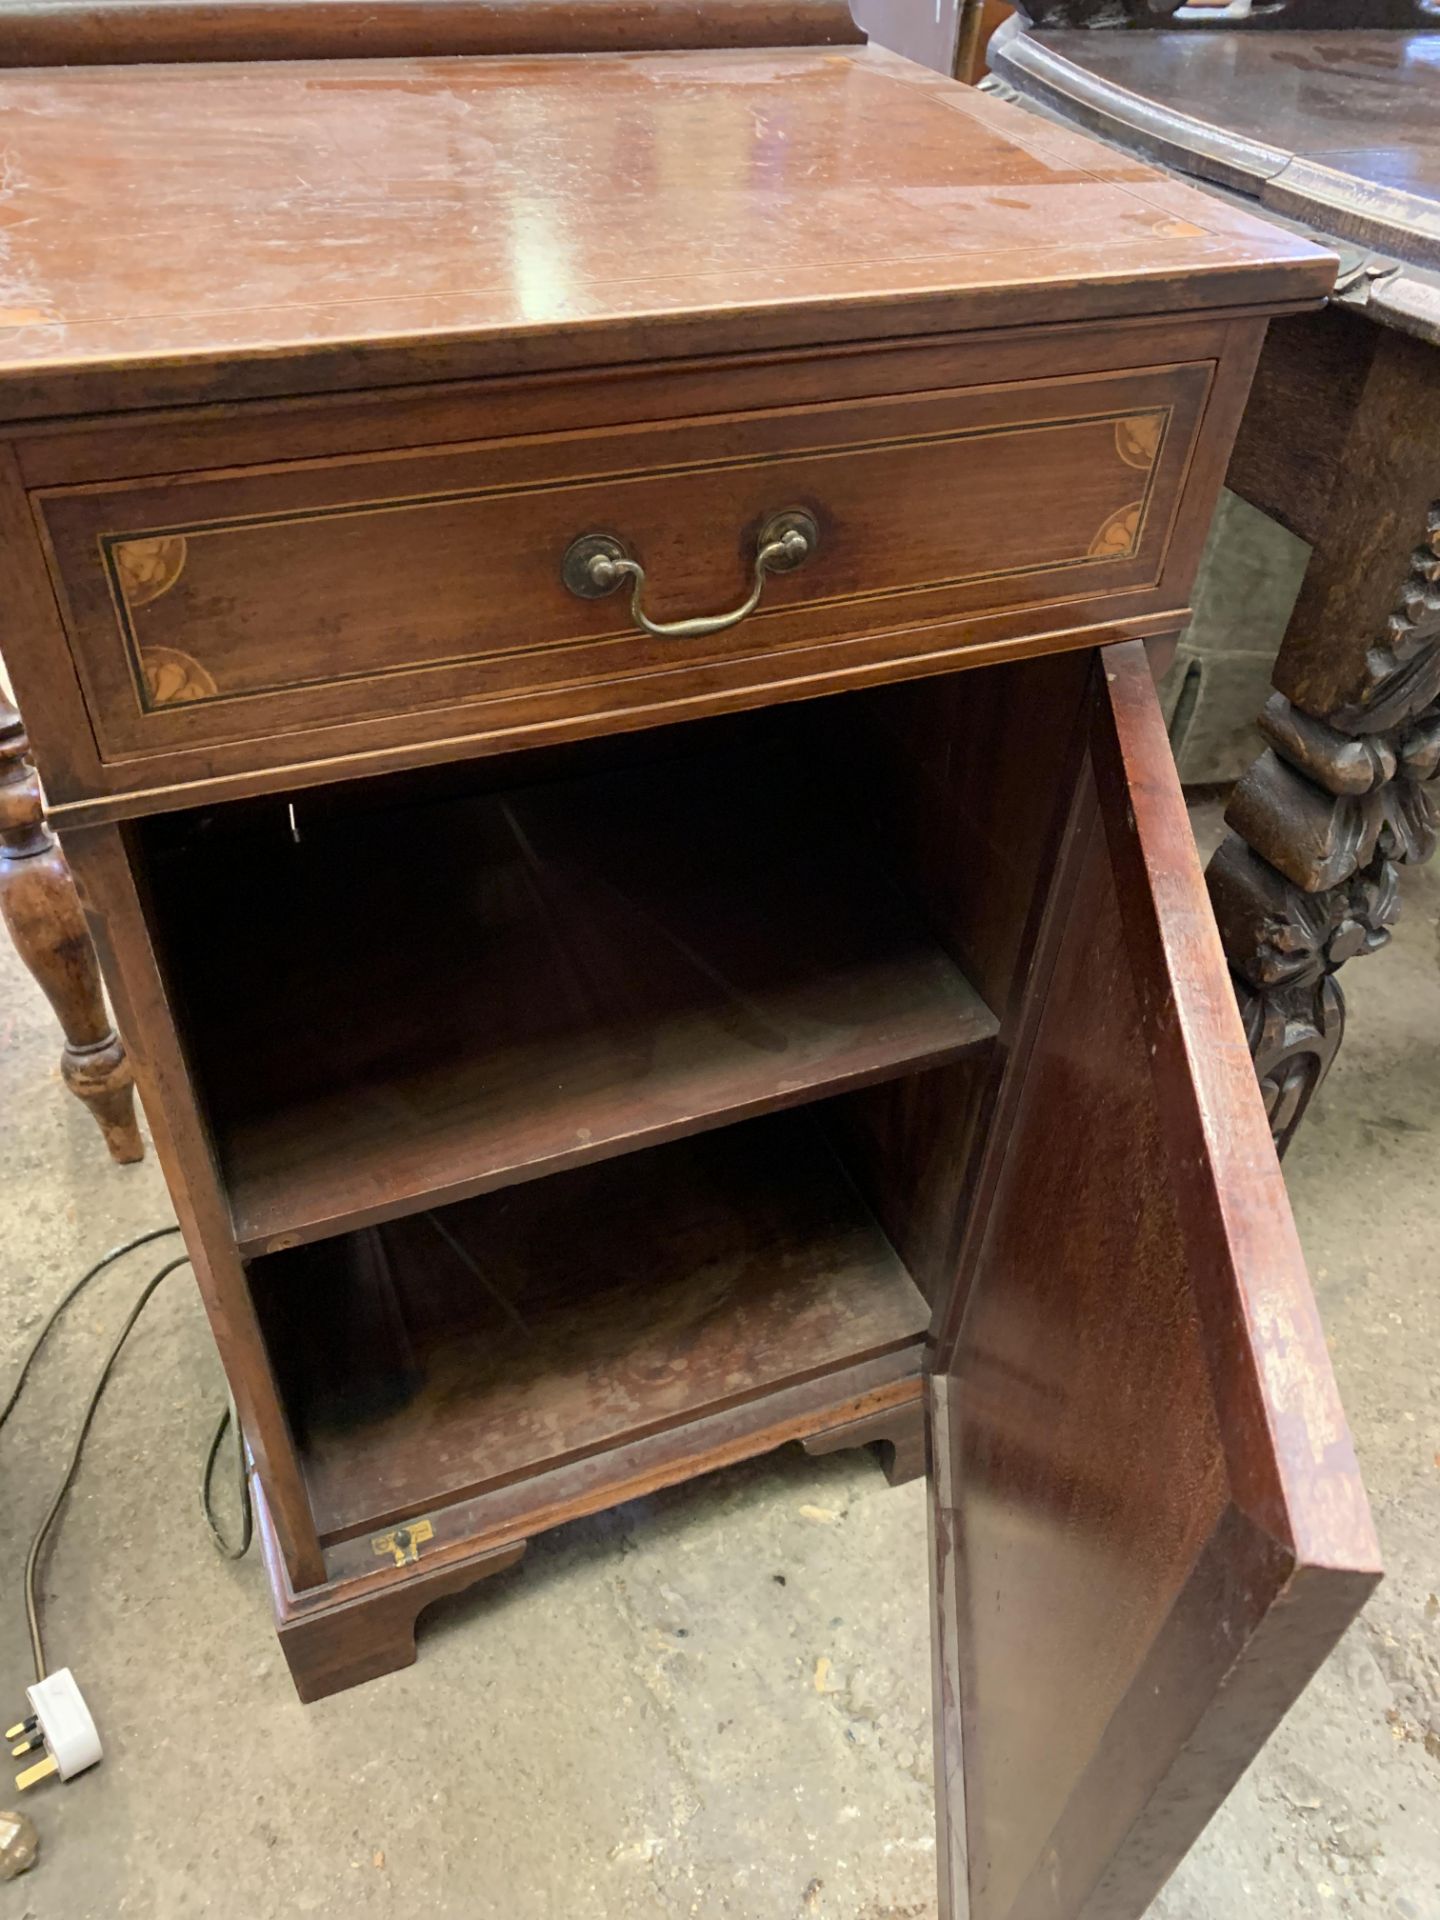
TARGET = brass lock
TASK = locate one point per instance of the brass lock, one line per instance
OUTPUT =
(403, 1544)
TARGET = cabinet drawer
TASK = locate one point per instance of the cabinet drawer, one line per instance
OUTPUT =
(224, 606)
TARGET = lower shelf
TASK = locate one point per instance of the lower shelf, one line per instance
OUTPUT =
(361, 1622)
(436, 1358)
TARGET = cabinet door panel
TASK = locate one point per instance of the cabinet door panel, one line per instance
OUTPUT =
(1150, 1529)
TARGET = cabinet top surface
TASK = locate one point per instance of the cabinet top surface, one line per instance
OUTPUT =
(294, 226)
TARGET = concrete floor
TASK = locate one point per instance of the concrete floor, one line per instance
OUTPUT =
(714, 1703)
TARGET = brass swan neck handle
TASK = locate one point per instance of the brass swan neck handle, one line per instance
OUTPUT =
(597, 563)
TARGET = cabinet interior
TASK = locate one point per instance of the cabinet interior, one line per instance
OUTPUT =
(572, 1095)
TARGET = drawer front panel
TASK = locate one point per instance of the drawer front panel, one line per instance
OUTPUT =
(230, 605)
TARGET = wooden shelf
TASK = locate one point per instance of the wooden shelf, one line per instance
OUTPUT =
(414, 1005)
(445, 1355)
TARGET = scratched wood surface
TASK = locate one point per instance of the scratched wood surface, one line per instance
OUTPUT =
(592, 1308)
(278, 227)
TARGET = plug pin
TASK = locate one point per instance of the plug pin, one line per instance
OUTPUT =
(62, 1725)
(20, 1726)
(27, 1746)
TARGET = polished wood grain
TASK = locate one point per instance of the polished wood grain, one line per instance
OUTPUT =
(882, 642)
(225, 606)
(1155, 1529)
(284, 228)
(139, 787)
(565, 1318)
(66, 33)
(161, 443)
(463, 994)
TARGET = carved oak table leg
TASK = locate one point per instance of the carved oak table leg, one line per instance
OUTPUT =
(40, 906)
(1347, 791)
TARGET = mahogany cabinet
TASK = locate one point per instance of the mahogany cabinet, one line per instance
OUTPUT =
(584, 620)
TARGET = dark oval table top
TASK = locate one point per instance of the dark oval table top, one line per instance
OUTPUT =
(1336, 132)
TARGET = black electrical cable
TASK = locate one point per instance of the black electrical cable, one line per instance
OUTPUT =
(227, 1419)
(32, 1559)
(242, 1488)
(106, 1260)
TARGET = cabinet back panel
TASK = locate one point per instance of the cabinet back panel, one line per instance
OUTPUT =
(968, 779)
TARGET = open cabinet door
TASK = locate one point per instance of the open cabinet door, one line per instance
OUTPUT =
(1149, 1526)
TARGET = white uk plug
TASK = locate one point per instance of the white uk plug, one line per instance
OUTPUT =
(59, 1721)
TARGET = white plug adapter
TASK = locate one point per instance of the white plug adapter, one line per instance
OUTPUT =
(60, 1721)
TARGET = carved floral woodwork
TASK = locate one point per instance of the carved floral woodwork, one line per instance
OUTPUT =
(1341, 444)
(1308, 877)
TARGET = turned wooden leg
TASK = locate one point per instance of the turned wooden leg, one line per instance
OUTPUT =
(897, 1434)
(1308, 877)
(40, 906)
(341, 1646)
